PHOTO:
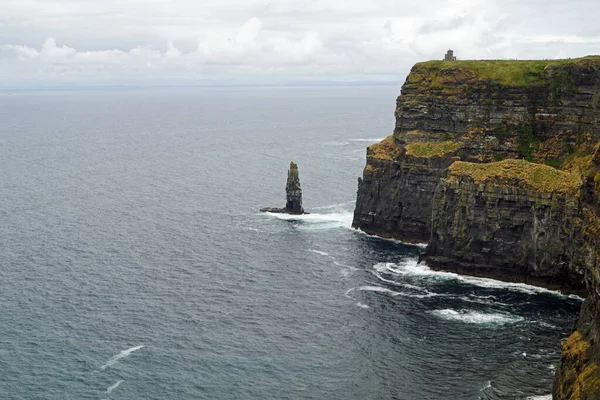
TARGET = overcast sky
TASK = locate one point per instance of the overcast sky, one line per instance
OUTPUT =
(162, 42)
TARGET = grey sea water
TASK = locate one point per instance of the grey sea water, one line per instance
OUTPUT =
(134, 264)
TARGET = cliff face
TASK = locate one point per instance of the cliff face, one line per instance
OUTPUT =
(511, 220)
(493, 163)
(478, 111)
(394, 195)
(578, 376)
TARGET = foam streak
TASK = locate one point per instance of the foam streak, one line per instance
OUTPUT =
(122, 354)
(113, 387)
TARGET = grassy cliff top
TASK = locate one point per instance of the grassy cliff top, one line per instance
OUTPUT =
(384, 150)
(518, 172)
(431, 149)
(505, 72)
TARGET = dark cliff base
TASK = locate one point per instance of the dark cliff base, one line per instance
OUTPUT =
(390, 235)
(512, 275)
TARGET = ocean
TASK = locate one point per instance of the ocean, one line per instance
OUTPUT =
(135, 263)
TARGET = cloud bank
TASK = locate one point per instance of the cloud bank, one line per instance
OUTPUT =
(162, 42)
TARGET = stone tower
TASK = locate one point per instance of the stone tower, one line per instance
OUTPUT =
(450, 56)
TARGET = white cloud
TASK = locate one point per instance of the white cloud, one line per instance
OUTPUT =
(165, 41)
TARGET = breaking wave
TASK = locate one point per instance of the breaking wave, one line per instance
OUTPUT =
(411, 267)
(474, 317)
(317, 220)
(421, 245)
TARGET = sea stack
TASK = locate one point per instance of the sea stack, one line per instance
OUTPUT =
(293, 194)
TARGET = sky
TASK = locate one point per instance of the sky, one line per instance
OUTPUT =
(46, 43)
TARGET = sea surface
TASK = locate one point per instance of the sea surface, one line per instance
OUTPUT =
(134, 263)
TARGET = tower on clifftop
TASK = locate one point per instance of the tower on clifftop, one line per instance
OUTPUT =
(450, 56)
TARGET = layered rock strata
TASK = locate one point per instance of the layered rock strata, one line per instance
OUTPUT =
(512, 220)
(477, 111)
(293, 194)
(578, 375)
(493, 163)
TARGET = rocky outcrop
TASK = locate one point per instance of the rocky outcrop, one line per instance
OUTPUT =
(477, 111)
(394, 195)
(511, 220)
(293, 194)
(449, 175)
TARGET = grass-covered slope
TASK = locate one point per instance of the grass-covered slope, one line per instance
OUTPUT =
(504, 72)
(518, 173)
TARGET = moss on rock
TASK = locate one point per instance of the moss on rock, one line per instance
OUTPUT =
(580, 376)
(387, 149)
(431, 149)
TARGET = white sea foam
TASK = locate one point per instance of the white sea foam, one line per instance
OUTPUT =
(122, 354)
(413, 268)
(394, 293)
(361, 305)
(319, 221)
(334, 206)
(113, 387)
(482, 300)
(543, 397)
(421, 245)
(318, 252)
(474, 317)
(374, 140)
(406, 285)
(378, 289)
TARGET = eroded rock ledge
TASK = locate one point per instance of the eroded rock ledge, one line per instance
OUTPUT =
(511, 220)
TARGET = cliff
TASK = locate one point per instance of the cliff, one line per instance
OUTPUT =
(512, 220)
(578, 376)
(477, 111)
(493, 163)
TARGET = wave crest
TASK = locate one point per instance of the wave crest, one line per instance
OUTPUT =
(474, 317)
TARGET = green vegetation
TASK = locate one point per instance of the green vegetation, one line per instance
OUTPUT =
(553, 162)
(431, 149)
(524, 140)
(581, 376)
(387, 149)
(520, 173)
(504, 72)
